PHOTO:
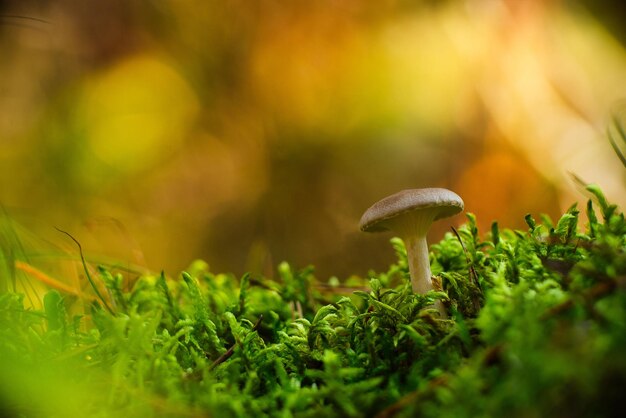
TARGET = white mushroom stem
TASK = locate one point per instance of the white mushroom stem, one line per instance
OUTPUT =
(413, 228)
(419, 264)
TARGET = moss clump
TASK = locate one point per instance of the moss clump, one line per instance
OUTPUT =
(537, 327)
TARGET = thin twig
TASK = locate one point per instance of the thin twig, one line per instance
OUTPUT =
(20, 17)
(472, 272)
(622, 132)
(82, 258)
(48, 280)
(231, 350)
(27, 22)
(597, 291)
(411, 397)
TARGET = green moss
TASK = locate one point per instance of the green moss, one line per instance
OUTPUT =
(537, 328)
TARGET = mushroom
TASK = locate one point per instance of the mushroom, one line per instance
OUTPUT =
(410, 213)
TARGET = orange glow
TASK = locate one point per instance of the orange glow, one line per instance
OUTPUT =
(247, 134)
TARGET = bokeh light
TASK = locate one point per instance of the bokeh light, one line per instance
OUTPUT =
(245, 133)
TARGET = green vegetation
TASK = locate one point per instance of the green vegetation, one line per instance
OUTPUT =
(537, 327)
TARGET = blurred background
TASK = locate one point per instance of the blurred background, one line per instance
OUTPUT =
(246, 133)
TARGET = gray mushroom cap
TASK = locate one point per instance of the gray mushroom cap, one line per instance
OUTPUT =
(440, 203)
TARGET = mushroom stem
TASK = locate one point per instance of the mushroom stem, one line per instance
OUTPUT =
(419, 265)
(413, 230)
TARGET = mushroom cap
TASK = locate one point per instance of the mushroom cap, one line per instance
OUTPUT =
(442, 203)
